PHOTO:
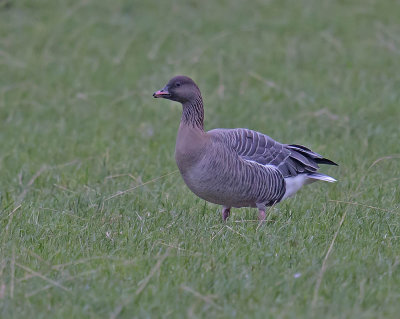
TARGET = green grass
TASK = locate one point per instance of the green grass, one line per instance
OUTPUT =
(78, 124)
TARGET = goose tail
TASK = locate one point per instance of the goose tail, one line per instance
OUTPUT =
(321, 177)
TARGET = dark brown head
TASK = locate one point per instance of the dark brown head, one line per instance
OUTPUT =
(180, 89)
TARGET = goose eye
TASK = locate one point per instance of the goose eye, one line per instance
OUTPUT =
(178, 84)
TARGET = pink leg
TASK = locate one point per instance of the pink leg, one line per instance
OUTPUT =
(261, 215)
(225, 213)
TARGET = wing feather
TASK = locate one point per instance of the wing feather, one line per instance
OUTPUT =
(289, 159)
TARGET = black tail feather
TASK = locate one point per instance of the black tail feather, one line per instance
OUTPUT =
(325, 161)
(309, 153)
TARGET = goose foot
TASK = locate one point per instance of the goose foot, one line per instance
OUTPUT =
(225, 213)
(261, 215)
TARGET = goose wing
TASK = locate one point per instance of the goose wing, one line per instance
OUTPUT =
(289, 159)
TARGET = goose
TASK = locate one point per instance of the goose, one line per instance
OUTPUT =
(236, 167)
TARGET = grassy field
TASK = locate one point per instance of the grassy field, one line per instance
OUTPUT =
(79, 126)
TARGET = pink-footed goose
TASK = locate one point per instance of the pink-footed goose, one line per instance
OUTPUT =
(236, 167)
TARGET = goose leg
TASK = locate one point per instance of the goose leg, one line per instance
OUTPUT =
(261, 215)
(225, 212)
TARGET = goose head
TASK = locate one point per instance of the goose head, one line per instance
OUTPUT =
(181, 89)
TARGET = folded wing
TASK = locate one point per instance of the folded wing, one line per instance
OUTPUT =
(289, 159)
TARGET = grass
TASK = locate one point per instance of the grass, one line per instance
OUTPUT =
(78, 125)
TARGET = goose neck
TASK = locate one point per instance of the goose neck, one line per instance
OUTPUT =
(193, 113)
